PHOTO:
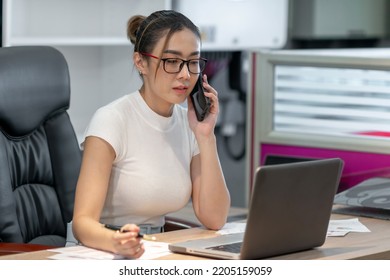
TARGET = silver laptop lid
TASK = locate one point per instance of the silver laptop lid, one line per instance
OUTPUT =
(290, 207)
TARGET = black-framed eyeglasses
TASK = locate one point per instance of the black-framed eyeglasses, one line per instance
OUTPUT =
(175, 65)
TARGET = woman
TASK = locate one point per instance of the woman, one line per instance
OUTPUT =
(144, 154)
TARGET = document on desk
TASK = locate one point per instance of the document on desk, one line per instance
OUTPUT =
(343, 227)
(152, 250)
(336, 227)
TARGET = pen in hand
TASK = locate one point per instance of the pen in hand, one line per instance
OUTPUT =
(139, 235)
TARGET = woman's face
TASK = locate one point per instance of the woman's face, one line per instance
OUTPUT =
(163, 89)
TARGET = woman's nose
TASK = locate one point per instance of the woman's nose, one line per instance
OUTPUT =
(185, 72)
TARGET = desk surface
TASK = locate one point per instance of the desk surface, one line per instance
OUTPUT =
(370, 245)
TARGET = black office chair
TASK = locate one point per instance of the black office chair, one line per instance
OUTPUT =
(39, 153)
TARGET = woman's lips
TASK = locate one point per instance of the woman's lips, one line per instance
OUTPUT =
(180, 90)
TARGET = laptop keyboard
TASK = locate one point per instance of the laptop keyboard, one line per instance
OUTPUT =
(231, 248)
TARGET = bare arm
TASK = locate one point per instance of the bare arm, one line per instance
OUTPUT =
(210, 196)
(91, 192)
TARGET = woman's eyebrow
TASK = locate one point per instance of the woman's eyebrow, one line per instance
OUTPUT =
(180, 53)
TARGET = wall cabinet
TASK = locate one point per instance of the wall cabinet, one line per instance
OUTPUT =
(334, 19)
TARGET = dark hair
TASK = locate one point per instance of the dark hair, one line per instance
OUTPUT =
(145, 32)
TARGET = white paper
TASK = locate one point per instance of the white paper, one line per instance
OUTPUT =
(336, 227)
(152, 250)
(82, 252)
(343, 227)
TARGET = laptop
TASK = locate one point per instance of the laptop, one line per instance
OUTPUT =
(289, 212)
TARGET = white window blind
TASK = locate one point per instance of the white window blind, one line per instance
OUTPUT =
(332, 101)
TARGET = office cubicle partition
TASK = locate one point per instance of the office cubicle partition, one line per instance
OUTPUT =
(307, 105)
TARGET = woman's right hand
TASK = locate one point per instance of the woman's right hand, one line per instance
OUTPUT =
(126, 242)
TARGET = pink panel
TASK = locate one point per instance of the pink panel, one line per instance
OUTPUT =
(358, 166)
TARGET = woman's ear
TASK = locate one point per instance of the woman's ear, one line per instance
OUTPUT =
(140, 63)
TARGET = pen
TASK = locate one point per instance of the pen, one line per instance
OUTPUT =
(139, 235)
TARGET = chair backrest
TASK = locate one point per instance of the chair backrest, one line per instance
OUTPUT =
(39, 153)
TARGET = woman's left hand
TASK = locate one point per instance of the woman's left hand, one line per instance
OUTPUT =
(206, 127)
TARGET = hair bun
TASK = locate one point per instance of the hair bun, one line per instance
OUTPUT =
(133, 25)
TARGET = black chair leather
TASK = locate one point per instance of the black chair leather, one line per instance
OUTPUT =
(39, 153)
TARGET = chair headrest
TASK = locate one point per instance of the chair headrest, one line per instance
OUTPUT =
(34, 85)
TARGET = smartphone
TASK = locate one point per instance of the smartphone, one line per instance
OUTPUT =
(201, 102)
